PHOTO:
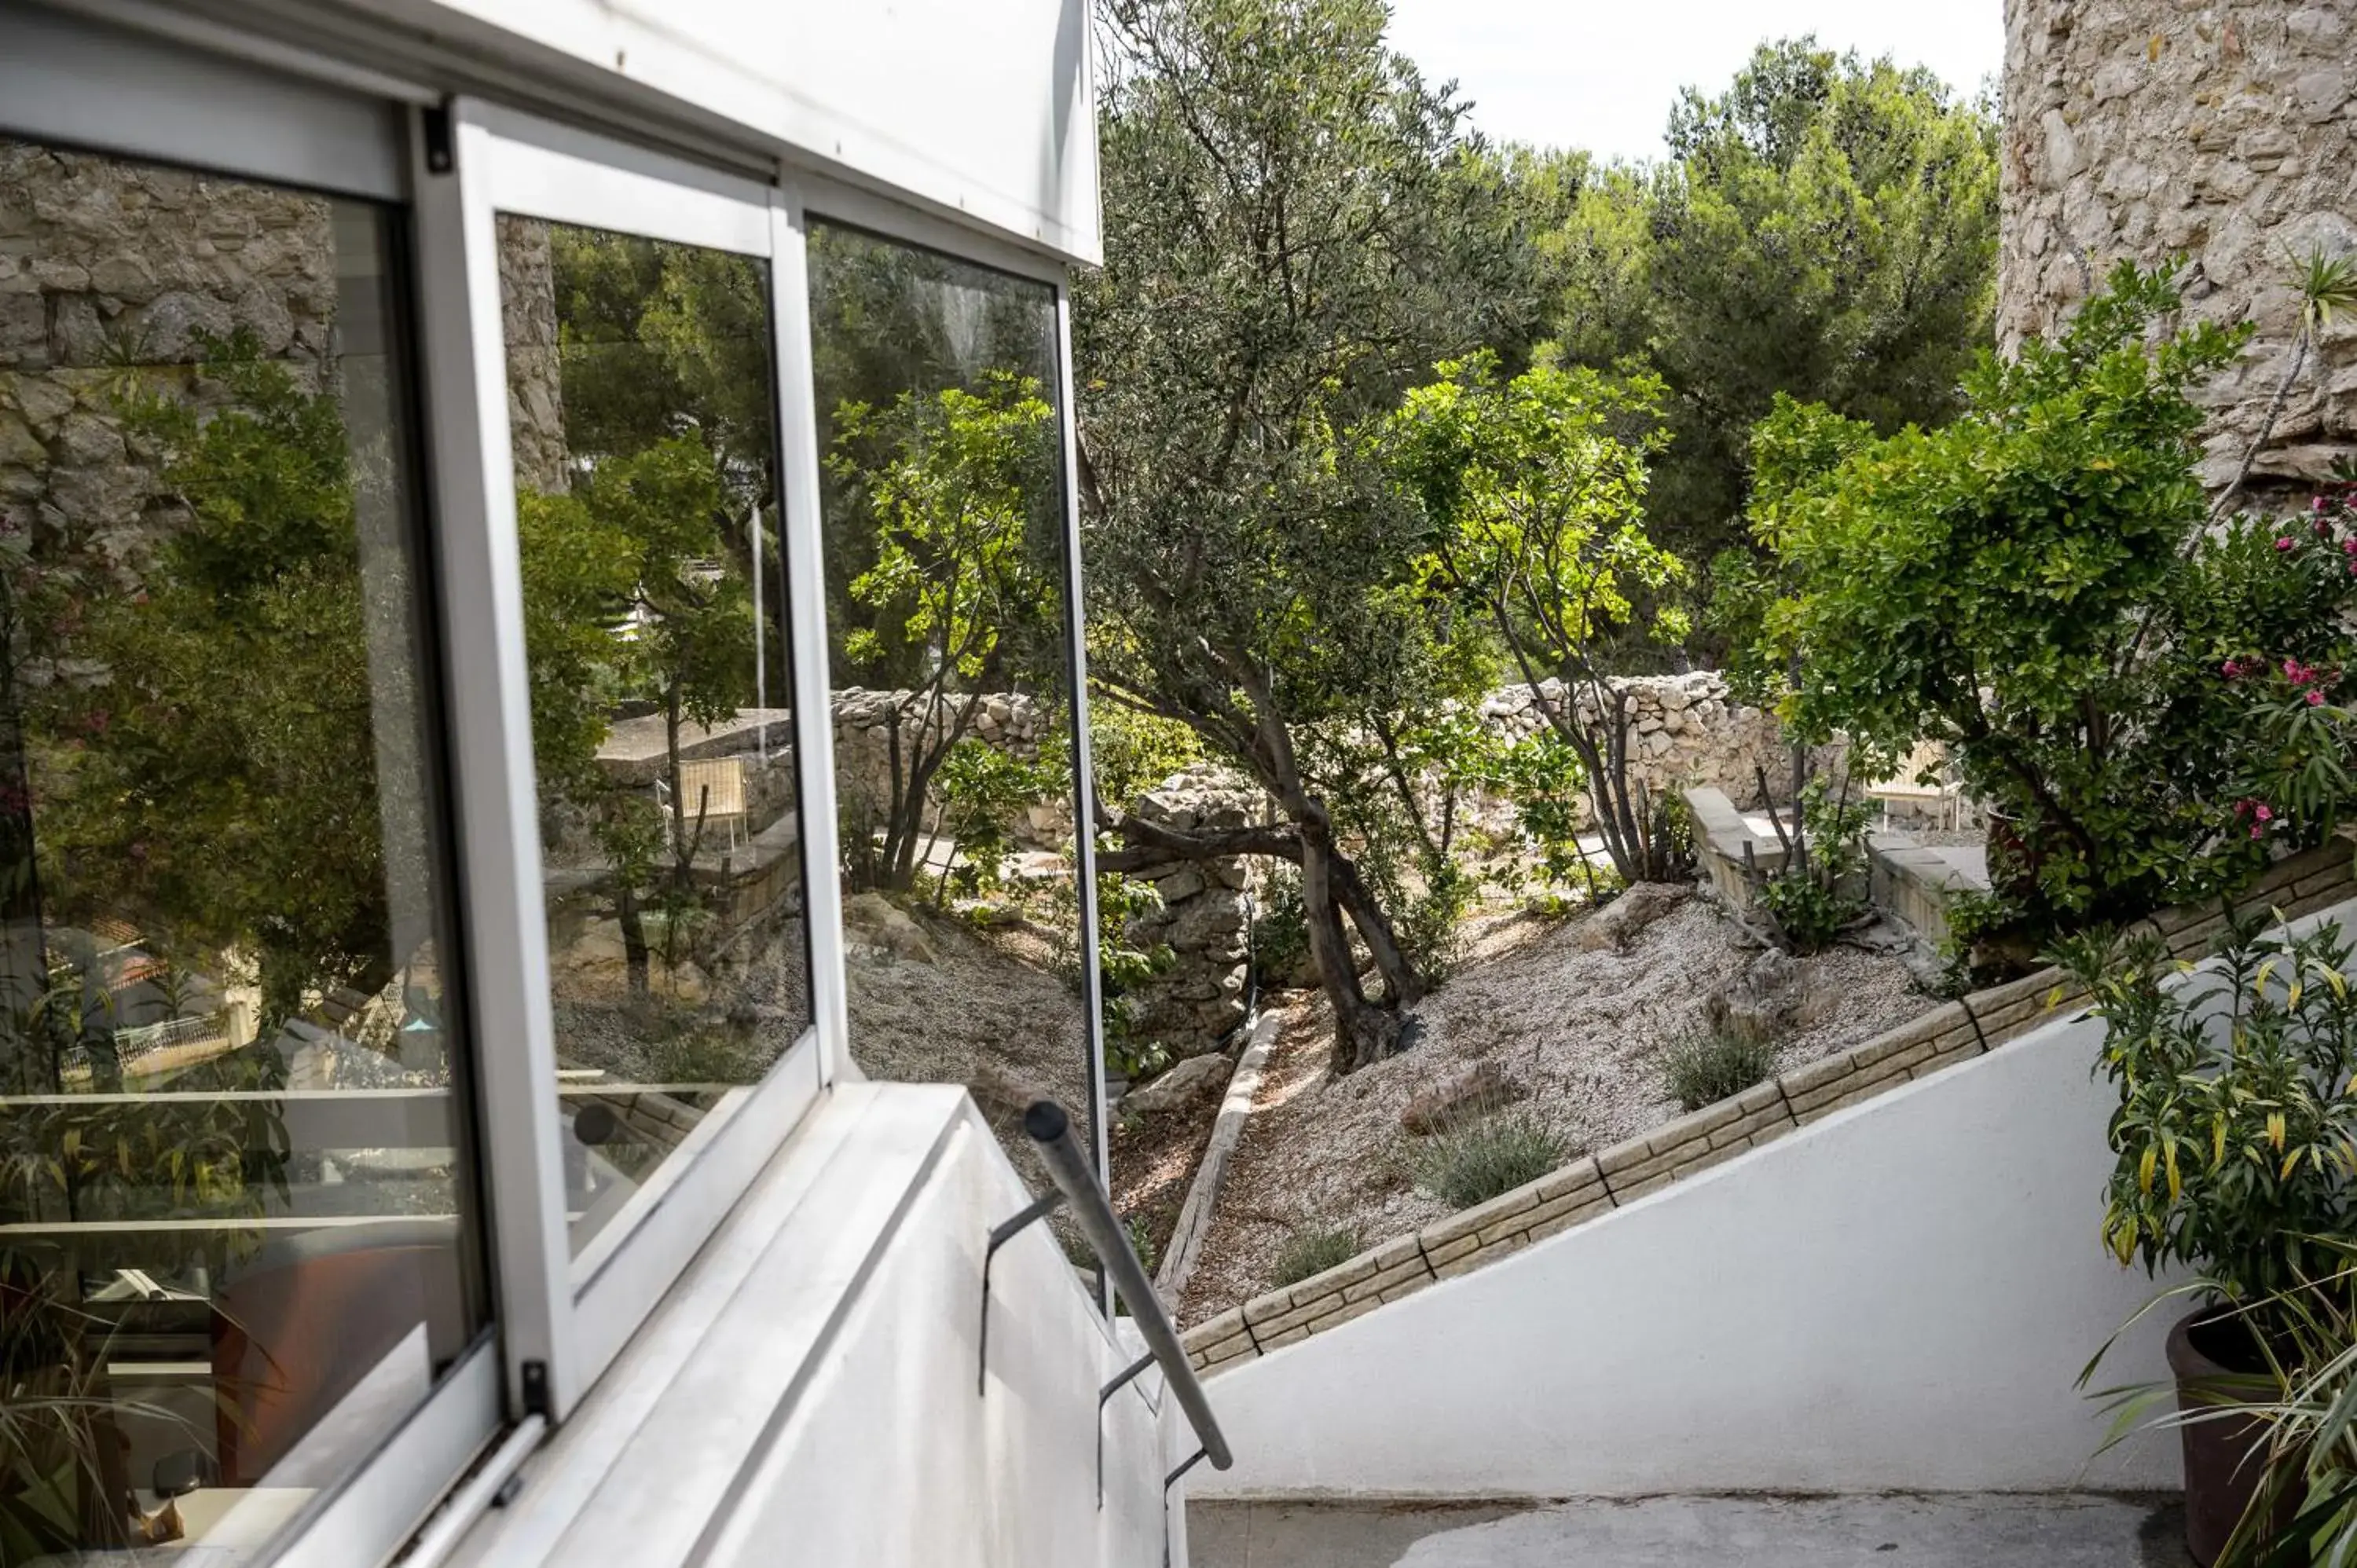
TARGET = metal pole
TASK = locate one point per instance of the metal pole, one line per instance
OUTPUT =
(1051, 1129)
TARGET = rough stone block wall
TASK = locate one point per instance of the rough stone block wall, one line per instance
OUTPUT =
(105, 266)
(1015, 721)
(2222, 132)
(1687, 732)
(1198, 1000)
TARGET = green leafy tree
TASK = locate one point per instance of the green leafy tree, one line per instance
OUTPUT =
(208, 748)
(1535, 489)
(1291, 234)
(629, 592)
(948, 484)
(2037, 587)
(1826, 227)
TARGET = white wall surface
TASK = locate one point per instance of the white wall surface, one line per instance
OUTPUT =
(807, 1393)
(982, 107)
(1896, 1297)
(891, 1459)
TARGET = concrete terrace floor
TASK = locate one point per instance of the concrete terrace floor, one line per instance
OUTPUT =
(1969, 1531)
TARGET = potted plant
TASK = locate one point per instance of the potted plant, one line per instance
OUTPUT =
(2236, 1140)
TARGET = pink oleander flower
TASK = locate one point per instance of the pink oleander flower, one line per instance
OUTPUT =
(2264, 811)
(2232, 667)
(2257, 832)
(2315, 698)
(2286, 543)
(2298, 674)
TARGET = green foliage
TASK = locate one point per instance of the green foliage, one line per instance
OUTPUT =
(1131, 753)
(656, 339)
(2236, 1120)
(1124, 962)
(948, 484)
(1141, 1241)
(1826, 227)
(1292, 231)
(1534, 492)
(983, 790)
(1820, 890)
(1704, 1069)
(1544, 779)
(2305, 1404)
(211, 758)
(2036, 587)
(1313, 1249)
(1478, 1161)
(1280, 933)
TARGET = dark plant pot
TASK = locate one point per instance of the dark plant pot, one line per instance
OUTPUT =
(2224, 1456)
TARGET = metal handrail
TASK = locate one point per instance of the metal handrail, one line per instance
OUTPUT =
(1092, 1210)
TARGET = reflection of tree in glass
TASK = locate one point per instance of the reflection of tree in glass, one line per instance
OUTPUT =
(661, 341)
(948, 484)
(202, 745)
(629, 593)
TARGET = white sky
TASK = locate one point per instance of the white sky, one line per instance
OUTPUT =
(1602, 74)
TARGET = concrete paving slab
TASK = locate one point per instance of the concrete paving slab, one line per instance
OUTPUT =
(1944, 1531)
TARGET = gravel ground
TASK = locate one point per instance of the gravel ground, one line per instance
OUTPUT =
(1581, 1031)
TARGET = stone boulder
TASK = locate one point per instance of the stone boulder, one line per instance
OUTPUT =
(1481, 1089)
(1617, 923)
(1760, 1003)
(872, 918)
(1187, 1084)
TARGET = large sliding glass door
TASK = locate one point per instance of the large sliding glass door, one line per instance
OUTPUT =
(238, 1237)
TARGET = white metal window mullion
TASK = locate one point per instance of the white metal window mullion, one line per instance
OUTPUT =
(463, 356)
(803, 531)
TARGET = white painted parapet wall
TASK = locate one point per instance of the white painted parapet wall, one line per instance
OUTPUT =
(1898, 1297)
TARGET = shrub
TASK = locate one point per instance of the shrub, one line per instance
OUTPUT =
(1817, 893)
(2040, 587)
(1312, 1250)
(1476, 1163)
(1702, 1069)
(2234, 1125)
(1280, 936)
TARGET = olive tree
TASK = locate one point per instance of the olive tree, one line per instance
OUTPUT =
(1295, 225)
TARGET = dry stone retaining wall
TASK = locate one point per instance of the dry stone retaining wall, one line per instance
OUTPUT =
(1198, 1000)
(2222, 132)
(1685, 732)
(1628, 1171)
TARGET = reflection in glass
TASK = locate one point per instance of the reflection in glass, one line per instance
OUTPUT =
(640, 405)
(235, 1223)
(946, 631)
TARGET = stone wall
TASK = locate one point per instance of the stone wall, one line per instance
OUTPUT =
(2152, 128)
(105, 266)
(1687, 733)
(1198, 1000)
(1595, 1185)
(535, 368)
(1015, 721)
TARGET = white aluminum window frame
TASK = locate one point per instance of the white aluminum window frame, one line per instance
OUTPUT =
(68, 83)
(573, 1314)
(320, 123)
(823, 200)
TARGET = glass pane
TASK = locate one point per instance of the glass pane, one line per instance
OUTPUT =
(946, 631)
(642, 404)
(237, 1231)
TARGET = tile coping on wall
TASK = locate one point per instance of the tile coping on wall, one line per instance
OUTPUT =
(1596, 1183)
